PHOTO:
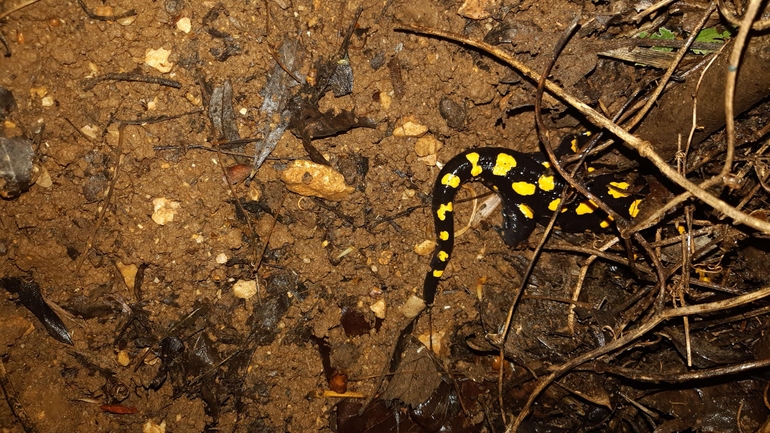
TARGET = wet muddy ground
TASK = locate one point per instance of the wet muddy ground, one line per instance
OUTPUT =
(193, 304)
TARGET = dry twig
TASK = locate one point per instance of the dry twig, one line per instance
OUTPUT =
(633, 335)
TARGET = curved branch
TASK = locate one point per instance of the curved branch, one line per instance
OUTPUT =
(644, 147)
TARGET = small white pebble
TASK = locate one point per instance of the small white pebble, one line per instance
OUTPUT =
(409, 127)
(151, 427)
(164, 210)
(245, 289)
(158, 59)
(425, 247)
(379, 309)
(412, 307)
(127, 21)
(221, 258)
(90, 131)
(184, 25)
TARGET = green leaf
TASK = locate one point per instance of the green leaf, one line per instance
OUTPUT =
(663, 33)
(711, 35)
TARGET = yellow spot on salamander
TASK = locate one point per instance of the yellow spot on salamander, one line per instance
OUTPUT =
(450, 179)
(574, 144)
(443, 256)
(527, 211)
(554, 204)
(546, 183)
(473, 158)
(591, 169)
(503, 164)
(585, 207)
(523, 188)
(617, 189)
(495, 188)
(607, 221)
(443, 209)
(443, 235)
(633, 210)
(546, 164)
(437, 273)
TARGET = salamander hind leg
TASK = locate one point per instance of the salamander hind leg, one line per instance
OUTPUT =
(518, 224)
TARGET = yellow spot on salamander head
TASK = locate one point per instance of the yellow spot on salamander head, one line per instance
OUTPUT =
(450, 179)
(546, 183)
(617, 189)
(585, 207)
(633, 210)
(443, 235)
(437, 273)
(443, 256)
(607, 221)
(473, 158)
(523, 188)
(442, 211)
(554, 204)
(574, 145)
(503, 164)
(527, 211)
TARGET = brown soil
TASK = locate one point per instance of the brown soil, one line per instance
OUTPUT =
(194, 260)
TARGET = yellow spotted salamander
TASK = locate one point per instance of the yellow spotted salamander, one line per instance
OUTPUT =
(530, 192)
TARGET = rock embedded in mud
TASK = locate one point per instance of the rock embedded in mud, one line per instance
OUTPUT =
(453, 112)
(158, 59)
(104, 11)
(164, 210)
(409, 127)
(426, 149)
(17, 173)
(425, 248)
(379, 308)
(478, 9)
(385, 100)
(95, 186)
(245, 289)
(184, 24)
(310, 179)
(7, 103)
(173, 7)
(412, 307)
(427, 145)
(44, 179)
(128, 272)
(123, 358)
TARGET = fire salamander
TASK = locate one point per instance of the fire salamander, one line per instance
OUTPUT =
(530, 191)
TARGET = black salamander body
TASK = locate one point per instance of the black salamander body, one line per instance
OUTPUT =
(530, 191)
